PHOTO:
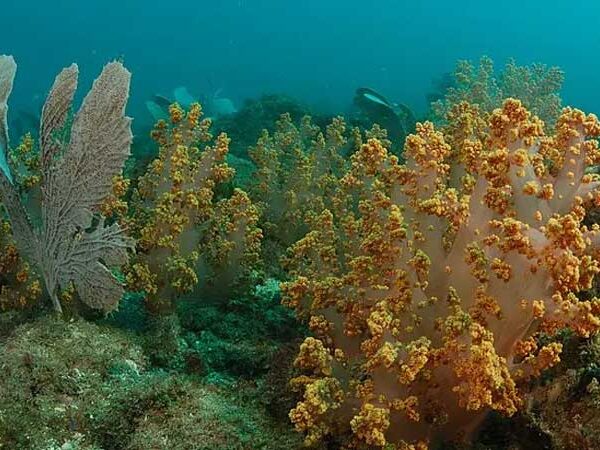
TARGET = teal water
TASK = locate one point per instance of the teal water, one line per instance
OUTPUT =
(317, 51)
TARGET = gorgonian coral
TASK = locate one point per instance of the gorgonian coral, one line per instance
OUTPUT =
(427, 284)
(54, 213)
(536, 86)
(184, 232)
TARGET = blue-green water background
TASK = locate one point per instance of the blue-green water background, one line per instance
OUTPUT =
(316, 50)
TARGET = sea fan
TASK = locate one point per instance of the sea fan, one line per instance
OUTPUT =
(71, 244)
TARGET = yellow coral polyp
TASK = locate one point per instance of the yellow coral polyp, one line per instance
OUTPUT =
(21, 286)
(140, 278)
(313, 355)
(418, 356)
(114, 205)
(370, 425)
(321, 397)
(176, 113)
(194, 114)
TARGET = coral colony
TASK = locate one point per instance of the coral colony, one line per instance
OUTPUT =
(435, 286)
(426, 296)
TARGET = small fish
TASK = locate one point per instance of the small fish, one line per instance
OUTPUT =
(217, 106)
(183, 97)
(157, 111)
(162, 101)
(396, 118)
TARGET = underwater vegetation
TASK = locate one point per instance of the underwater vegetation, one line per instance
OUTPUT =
(78, 385)
(367, 292)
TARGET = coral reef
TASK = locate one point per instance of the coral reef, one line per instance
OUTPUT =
(429, 284)
(444, 297)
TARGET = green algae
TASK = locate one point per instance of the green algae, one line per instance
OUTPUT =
(85, 386)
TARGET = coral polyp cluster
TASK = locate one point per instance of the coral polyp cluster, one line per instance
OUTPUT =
(429, 285)
(183, 231)
(297, 171)
(19, 285)
(296, 168)
(536, 86)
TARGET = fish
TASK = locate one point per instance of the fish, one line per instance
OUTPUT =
(156, 110)
(396, 118)
(183, 97)
(217, 106)
(162, 101)
(369, 95)
(222, 106)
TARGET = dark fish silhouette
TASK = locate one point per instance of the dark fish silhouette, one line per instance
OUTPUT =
(396, 118)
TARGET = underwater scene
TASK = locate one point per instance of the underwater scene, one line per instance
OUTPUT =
(281, 225)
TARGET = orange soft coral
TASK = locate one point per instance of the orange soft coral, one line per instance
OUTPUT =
(426, 283)
(184, 233)
(297, 167)
(20, 286)
(536, 86)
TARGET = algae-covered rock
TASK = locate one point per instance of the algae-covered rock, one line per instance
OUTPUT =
(567, 407)
(245, 126)
(163, 343)
(10, 320)
(82, 386)
(207, 419)
(240, 338)
(244, 171)
(52, 371)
